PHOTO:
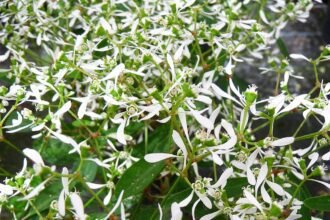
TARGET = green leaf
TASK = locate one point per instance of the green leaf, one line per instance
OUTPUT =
(138, 177)
(320, 203)
(159, 141)
(141, 174)
(234, 186)
(55, 152)
(144, 212)
(282, 46)
(176, 197)
(89, 170)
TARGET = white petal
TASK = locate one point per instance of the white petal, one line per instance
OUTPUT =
(160, 212)
(205, 99)
(211, 215)
(187, 200)
(61, 204)
(276, 188)
(222, 181)
(156, 157)
(233, 88)
(205, 200)
(95, 185)
(107, 198)
(250, 176)
(99, 162)
(78, 205)
(205, 122)
(116, 205)
(171, 64)
(220, 93)
(262, 176)
(34, 156)
(106, 26)
(120, 132)
(115, 72)
(228, 67)
(164, 120)
(5, 189)
(313, 157)
(294, 104)
(66, 139)
(82, 109)
(178, 54)
(176, 213)
(216, 159)
(299, 57)
(66, 107)
(5, 56)
(194, 208)
(65, 180)
(282, 142)
(298, 175)
(36, 191)
(15, 122)
(122, 212)
(321, 182)
(243, 120)
(183, 121)
(179, 142)
(253, 200)
(264, 194)
(326, 156)
(263, 17)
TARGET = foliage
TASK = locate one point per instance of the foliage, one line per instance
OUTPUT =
(135, 111)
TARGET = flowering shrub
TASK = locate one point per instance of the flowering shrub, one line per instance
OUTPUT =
(135, 111)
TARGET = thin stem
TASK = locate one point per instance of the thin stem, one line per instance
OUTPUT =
(12, 145)
(271, 127)
(317, 81)
(307, 136)
(278, 78)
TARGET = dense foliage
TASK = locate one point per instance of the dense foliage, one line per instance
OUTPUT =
(136, 113)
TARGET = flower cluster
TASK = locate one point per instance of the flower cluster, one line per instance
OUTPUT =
(133, 103)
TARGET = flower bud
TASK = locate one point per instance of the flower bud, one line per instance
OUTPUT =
(251, 95)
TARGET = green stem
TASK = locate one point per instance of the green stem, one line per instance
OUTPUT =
(278, 78)
(307, 136)
(317, 81)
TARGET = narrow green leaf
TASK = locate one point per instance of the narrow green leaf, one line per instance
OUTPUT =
(282, 46)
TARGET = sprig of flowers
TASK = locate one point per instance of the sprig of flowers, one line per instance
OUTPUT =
(93, 81)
